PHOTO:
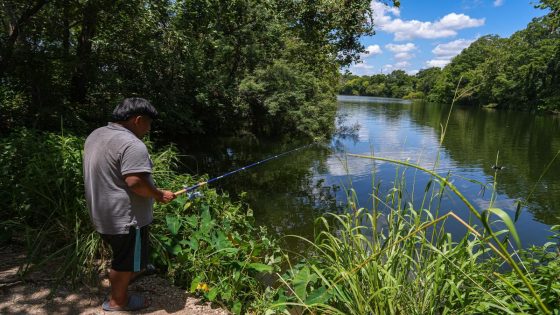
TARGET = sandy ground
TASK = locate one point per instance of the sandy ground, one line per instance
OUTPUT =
(32, 296)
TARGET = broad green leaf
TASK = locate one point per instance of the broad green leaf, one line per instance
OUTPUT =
(194, 283)
(260, 267)
(213, 293)
(173, 224)
(319, 296)
(176, 250)
(206, 223)
(300, 281)
(505, 218)
(220, 240)
(226, 293)
(193, 243)
(236, 275)
(236, 309)
(179, 200)
(192, 221)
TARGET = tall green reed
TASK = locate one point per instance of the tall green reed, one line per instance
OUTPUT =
(402, 267)
(208, 245)
(411, 265)
(42, 174)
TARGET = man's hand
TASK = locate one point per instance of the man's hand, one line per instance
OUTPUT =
(165, 196)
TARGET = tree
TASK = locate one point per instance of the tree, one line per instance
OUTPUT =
(75, 59)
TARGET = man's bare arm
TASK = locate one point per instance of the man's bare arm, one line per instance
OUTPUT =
(140, 185)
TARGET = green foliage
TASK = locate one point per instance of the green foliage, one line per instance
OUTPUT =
(284, 97)
(394, 259)
(211, 246)
(42, 196)
(520, 72)
(78, 59)
(362, 261)
(414, 96)
(396, 84)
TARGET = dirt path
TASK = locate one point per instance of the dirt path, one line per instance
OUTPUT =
(31, 297)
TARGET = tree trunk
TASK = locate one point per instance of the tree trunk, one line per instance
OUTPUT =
(15, 30)
(84, 67)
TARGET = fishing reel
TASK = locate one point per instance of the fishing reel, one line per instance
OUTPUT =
(194, 194)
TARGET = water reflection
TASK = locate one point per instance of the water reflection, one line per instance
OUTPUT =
(526, 145)
(285, 194)
(411, 132)
(289, 193)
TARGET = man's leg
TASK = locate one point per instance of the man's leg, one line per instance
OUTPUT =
(119, 287)
(124, 258)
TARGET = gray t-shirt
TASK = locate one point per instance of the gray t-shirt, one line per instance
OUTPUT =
(111, 152)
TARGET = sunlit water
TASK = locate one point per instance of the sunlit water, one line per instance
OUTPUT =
(289, 193)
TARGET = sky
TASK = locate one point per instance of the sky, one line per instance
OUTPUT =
(429, 33)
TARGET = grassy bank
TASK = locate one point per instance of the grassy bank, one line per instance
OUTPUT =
(390, 259)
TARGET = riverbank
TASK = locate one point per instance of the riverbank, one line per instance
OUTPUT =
(33, 295)
(210, 246)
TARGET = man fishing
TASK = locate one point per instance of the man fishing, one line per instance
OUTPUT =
(120, 192)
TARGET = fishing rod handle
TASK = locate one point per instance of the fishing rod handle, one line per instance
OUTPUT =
(187, 189)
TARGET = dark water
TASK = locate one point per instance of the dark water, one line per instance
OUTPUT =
(289, 193)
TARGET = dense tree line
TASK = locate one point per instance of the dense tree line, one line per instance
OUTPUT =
(519, 72)
(397, 84)
(211, 67)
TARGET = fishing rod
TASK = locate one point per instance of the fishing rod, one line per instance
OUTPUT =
(190, 188)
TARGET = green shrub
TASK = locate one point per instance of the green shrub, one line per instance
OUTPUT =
(43, 197)
(208, 244)
(366, 262)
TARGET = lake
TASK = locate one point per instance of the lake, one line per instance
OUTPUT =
(289, 193)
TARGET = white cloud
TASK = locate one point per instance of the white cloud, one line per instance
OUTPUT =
(438, 62)
(362, 65)
(381, 12)
(412, 72)
(402, 52)
(361, 68)
(409, 29)
(401, 48)
(387, 68)
(402, 64)
(498, 3)
(445, 52)
(371, 50)
(403, 56)
(451, 49)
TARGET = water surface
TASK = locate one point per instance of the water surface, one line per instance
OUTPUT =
(289, 193)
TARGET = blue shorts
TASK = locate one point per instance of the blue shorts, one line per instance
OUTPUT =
(130, 251)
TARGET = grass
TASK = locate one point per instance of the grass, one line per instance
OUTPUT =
(208, 245)
(390, 259)
(411, 265)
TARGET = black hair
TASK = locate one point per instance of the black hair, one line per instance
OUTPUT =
(134, 106)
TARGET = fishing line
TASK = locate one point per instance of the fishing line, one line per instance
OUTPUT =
(194, 187)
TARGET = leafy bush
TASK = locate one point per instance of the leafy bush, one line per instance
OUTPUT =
(208, 244)
(394, 259)
(43, 197)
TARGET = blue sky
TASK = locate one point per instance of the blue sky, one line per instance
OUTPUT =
(421, 34)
